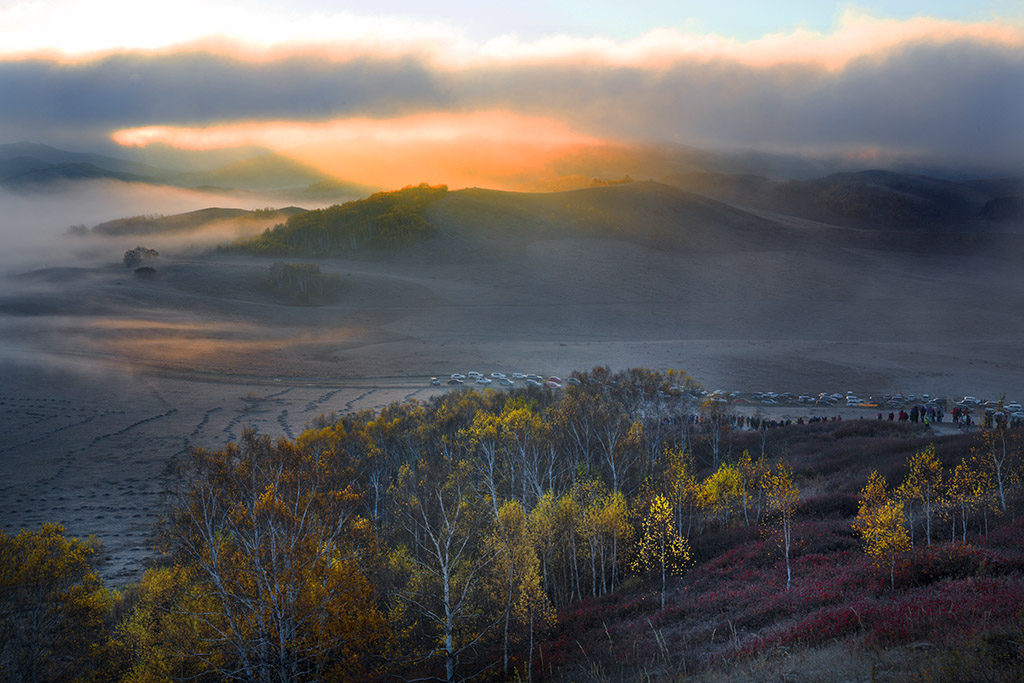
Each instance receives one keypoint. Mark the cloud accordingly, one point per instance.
(926, 88)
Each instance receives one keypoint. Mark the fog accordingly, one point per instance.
(34, 229)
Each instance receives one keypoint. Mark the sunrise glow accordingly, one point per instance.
(458, 149)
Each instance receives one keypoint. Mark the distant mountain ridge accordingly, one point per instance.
(31, 166)
(872, 198)
(265, 172)
(51, 156)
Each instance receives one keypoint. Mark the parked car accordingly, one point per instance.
(435, 381)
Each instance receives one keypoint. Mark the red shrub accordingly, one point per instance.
(925, 566)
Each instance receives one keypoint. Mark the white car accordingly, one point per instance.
(435, 381)
(498, 375)
(483, 380)
(505, 381)
(518, 375)
(473, 374)
(458, 375)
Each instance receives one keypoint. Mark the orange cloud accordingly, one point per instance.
(460, 149)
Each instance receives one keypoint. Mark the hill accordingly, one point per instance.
(382, 221)
(874, 199)
(44, 154)
(26, 165)
(264, 172)
(479, 223)
(192, 220)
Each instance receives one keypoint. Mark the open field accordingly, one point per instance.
(108, 376)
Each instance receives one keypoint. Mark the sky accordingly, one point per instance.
(466, 93)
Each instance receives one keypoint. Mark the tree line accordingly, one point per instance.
(438, 540)
(935, 500)
(382, 221)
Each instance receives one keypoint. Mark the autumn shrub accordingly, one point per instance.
(924, 566)
(714, 544)
(1009, 536)
(948, 612)
(820, 537)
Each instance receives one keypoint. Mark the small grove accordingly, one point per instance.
(383, 221)
(621, 529)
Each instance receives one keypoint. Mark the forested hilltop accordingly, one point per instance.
(383, 221)
(628, 527)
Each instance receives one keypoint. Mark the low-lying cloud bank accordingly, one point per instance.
(920, 88)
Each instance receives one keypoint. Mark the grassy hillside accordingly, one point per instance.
(879, 199)
(382, 221)
(192, 220)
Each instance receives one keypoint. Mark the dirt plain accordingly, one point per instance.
(108, 377)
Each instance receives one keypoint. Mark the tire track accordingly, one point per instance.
(409, 396)
(282, 419)
(71, 456)
(278, 393)
(47, 435)
(312, 405)
(360, 397)
(194, 434)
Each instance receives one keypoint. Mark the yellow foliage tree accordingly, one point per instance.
(660, 549)
(753, 479)
(52, 608)
(514, 583)
(999, 455)
(682, 488)
(160, 629)
(964, 493)
(720, 491)
(881, 524)
(783, 498)
(923, 486)
(269, 534)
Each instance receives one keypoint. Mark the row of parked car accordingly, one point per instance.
(534, 380)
